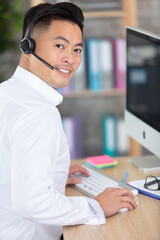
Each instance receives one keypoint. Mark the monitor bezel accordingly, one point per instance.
(136, 127)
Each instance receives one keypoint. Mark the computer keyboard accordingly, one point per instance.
(97, 182)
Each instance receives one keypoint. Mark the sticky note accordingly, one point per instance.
(99, 160)
(102, 165)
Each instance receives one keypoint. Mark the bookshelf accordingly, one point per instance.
(128, 15)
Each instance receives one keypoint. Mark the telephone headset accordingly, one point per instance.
(28, 45)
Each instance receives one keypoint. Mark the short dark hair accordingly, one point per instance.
(47, 12)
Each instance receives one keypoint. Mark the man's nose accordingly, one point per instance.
(68, 57)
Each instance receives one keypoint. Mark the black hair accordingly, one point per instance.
(47, 12)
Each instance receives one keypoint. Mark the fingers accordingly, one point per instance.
(127, 199)
(78, 168)
(125, 196)
(123, 192)
(74, 169)
(128, 202)
(72, 181)
(127, 192)
(83, 170)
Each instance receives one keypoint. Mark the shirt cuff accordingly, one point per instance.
(98, 212)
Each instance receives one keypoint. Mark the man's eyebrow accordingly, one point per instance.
(66, 40)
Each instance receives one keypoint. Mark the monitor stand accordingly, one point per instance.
(146, 163)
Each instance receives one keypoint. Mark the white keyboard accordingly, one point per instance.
(97, 182)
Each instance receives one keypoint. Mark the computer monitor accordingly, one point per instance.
(142, 111)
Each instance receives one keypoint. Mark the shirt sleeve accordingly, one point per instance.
(35, 140)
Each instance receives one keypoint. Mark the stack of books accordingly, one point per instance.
(103, 161)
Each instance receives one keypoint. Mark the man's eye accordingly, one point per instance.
(59, 46)
(78, 50)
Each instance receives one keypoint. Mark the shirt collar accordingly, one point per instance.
(39, 85)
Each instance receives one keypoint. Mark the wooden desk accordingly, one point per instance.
(142, 223)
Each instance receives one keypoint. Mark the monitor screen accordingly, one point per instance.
(143, 88)
(143, 77)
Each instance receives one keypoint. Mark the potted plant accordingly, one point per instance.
(10, 24)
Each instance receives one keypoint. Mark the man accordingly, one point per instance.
(34, 156)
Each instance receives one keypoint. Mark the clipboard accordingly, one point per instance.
(139, 185)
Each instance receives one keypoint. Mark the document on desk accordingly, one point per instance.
(139, 185)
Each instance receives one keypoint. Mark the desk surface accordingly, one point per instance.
(142, 223)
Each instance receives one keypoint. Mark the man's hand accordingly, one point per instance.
(113, 199)
(74, 169)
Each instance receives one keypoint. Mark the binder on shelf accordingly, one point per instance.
(122, 138)
(79, 79)
(119, 46)
(69, 131)
(106, 53)
(78, 136)
(109, 135)
(73, 130)
(68, 89)
(93, 64)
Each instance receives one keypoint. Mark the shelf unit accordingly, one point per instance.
(128, 14)
(103, 93)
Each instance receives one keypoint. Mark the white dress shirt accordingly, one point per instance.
(34, 164)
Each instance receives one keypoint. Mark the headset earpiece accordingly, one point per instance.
(27, 45)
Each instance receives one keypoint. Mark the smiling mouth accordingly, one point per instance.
(65, 71)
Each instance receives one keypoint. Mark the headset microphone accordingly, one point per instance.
(28, 45)
(43, 61)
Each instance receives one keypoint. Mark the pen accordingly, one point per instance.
(124, 177)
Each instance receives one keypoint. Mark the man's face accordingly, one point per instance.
(60, 45)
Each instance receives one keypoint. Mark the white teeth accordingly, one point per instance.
(63, 70)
